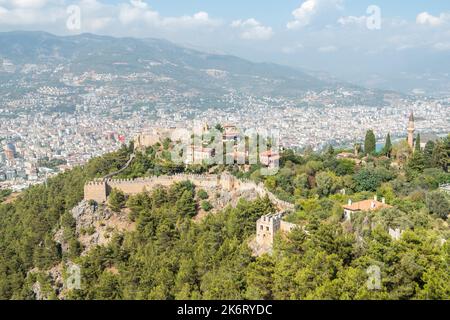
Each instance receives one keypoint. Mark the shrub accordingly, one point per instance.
(202, 194)
(206, 205)
(116, 200)
(438, 204)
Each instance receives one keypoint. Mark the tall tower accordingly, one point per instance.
(266, 228)
(411, 130)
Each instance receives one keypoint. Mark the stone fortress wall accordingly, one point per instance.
(266, 227)
(98, 190)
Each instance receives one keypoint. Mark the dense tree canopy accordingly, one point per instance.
(170, 255)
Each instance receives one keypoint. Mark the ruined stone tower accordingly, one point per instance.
(266, 228)
(96, 190)
(227, 181)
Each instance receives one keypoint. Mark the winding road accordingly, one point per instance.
(108, 176)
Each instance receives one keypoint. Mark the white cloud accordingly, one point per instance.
(442, 46)
(200, 19)
(98, 23)
(139, 12)
(352, 20)
(28, 3)
(139, 4)
(292, 49)
(29, 13)
(308, 10)
(126, 17)
(327, 49)
(252, 29)
(303, 14)
(425, 18)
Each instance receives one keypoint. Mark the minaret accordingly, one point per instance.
(411, 130)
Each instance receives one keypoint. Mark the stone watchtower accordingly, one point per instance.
(227, 181)
(411, 130)
(96, 190)
(266, 228)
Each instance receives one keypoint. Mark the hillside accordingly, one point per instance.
(151, 246)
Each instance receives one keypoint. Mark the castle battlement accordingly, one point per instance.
(94, 183)
(98, 188)
(266, 227)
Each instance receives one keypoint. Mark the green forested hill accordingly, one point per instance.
(169, 256)
(27, 226)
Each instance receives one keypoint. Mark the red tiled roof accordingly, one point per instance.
(366, 205)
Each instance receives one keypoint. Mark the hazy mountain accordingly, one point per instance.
(186, 69)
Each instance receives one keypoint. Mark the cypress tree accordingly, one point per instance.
(370, 143)
(418, 143)
(387, 150)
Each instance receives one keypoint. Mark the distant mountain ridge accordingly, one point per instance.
(104, 54)
(159, 66)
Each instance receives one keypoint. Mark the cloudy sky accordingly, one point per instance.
(348, 38)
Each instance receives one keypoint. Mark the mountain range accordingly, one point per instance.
(187, 68)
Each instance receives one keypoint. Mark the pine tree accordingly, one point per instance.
(330, 151)
(416, 162)
(428, 153)
(440, 156)
(370, 143)
(446, 144)
(387, 150)
(185, 205)
(116, 200)
(417, 147)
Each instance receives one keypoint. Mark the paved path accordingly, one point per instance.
(132, 156)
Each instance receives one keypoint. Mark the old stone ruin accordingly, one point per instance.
(232, 188)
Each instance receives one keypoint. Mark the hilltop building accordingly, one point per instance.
(199, 154)
(269, 158)
(149, 138)
(353, 208)
(426, 137)
(350, 156)
(230, 133)
(238, 155)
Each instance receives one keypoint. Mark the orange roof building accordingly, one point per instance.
(365, 205)
(269, 158)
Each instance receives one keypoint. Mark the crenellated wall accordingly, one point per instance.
(266, 227)
(99, 190)
(96, 190)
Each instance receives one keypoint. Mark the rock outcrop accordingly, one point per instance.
(95, 225)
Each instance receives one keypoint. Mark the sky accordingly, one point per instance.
(347, 38)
